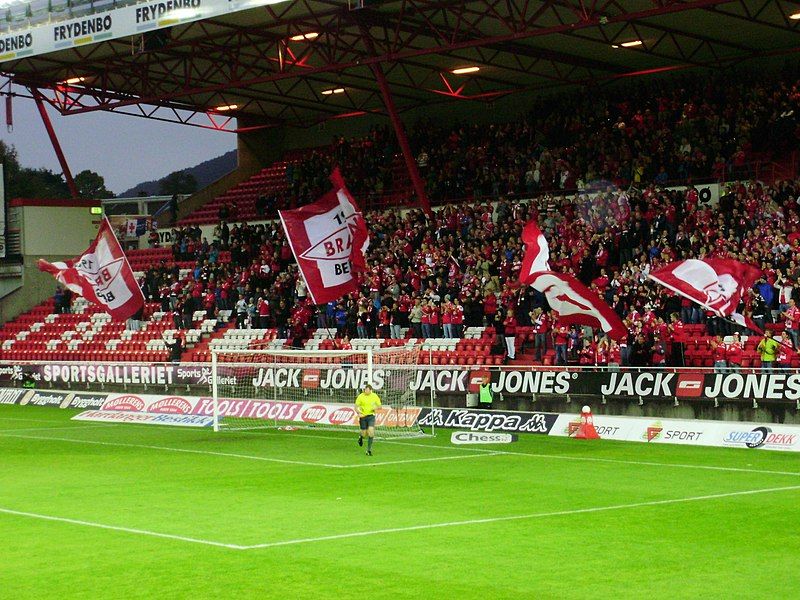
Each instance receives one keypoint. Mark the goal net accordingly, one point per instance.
(255, 389)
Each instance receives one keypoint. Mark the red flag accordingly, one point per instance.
(537, 254)
(328, 239)
(102, 275)
(578, 305)
(746, 322)
(714, 283)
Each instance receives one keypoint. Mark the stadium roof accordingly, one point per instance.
(300, 62)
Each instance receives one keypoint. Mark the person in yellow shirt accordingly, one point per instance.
(367, 403)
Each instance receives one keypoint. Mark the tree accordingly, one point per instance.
(91, 185)
(22, 182)
(177, 182)
(38, 183)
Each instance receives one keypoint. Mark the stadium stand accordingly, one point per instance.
(465, 258)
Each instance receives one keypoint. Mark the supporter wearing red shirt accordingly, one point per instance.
(383, 322)
(425, 320)
(734, 352)
(490, 307)
(719, 352)
(561, 338)
(614, 355)
(435, 319)
(792, 323)
(404, 307)
(541, 325)
(457, 318)
(510, 328)
(659, 357)
(586, 355)
(447, 319)
(263, 313)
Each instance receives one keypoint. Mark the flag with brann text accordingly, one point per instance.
(328, 239)
(102, 275)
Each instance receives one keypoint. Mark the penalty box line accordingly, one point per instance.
(531, 516)
(374, 532)
(569, 457)
(6, 433)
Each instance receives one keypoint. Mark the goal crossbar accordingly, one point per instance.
(256, 389)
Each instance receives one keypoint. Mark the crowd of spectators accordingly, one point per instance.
(667, 131)
(458, 268)
(437, 274)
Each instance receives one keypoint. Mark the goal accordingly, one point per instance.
(256, 389)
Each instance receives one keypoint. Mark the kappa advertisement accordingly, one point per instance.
(487, 420)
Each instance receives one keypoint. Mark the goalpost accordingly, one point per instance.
(257, 389)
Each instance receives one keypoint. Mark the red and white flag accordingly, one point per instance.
(746, 322)
(102, 275)
(328, 239)
(576, 304)
(537, 253)
(716, 284)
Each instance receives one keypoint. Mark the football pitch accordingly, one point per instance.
(138, 511)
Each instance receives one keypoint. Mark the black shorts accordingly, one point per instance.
(366, 422)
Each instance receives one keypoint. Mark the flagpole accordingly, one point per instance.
(124, 256)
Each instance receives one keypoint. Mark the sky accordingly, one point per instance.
(125, 150)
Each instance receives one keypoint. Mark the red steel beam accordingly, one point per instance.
(406, 54)
(399, 129)
(73, 189)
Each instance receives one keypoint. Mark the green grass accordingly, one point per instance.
(131, 477)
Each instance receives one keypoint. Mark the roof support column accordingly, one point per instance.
(399, 129)
(73, 189)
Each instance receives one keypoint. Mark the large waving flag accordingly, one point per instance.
(716, 284)
(102, 275)
(576, 304)
(537, 253)
(328, 239)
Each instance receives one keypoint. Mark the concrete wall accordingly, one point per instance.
(54, 233)
(57, 230)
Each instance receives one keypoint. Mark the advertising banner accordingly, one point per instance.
(257, 381)
(42, 398)
(121, 22)
(139, 418)
(309, 413)
(487, 420)
(730, 434)
(10, 396)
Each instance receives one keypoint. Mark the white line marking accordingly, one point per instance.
(357, 534)
(419, 460)
(171, 449)
(32, 420)
(558, 513)
(22, 429)
(611, 460)
(169, 536)
(535, 455)
(431, 446)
